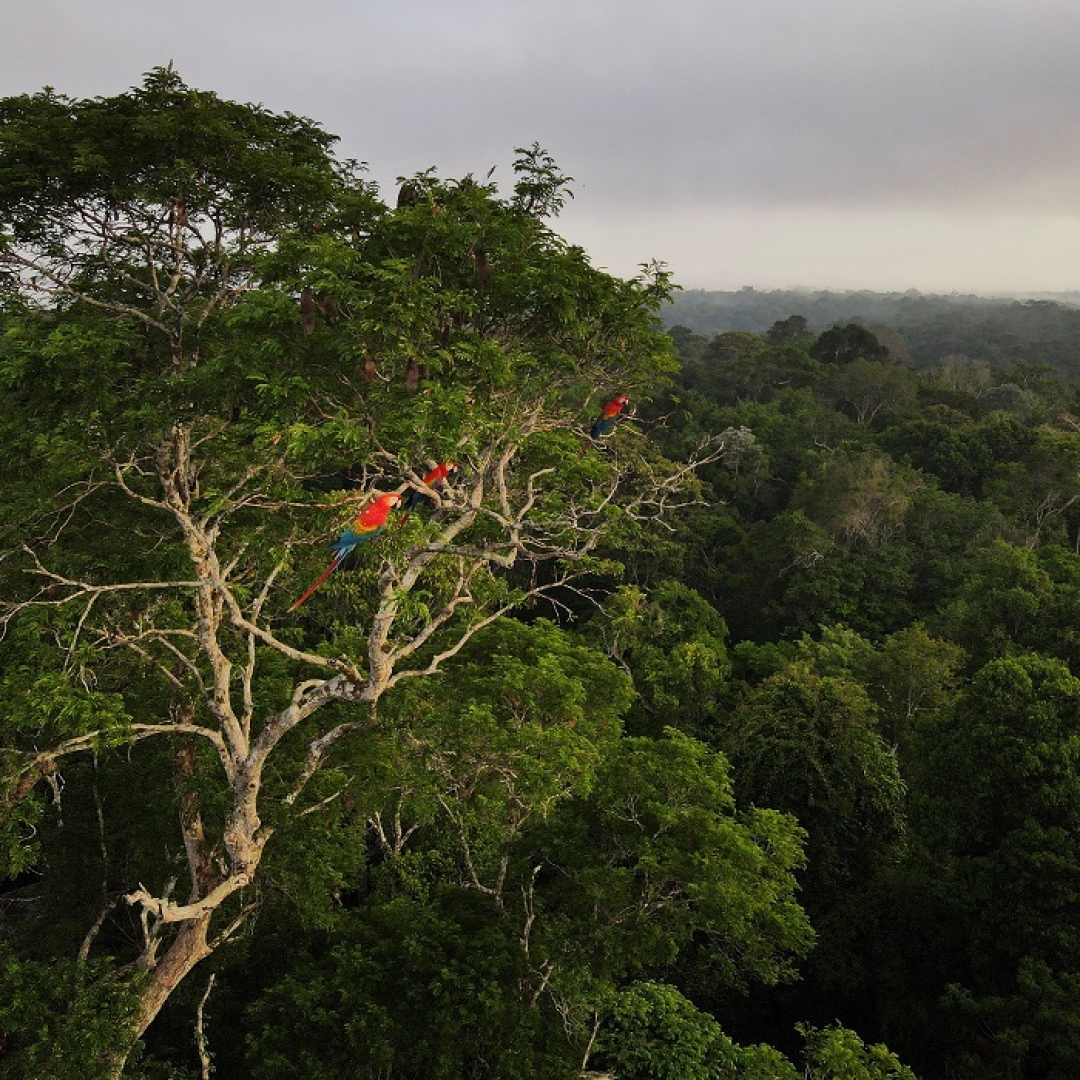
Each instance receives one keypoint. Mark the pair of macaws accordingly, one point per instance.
(372, 520)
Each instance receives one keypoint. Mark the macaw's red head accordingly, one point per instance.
(376, 513)
(616, 405)
(440, 473)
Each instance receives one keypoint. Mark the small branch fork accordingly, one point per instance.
(182, 262)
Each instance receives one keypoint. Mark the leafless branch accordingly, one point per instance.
(95, 929)
(314, 808)
(394, 844)
(37, 765)
(234, 925)
(165, 911)
(200, 1034)
(317, 750)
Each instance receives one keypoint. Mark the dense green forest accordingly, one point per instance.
(735, 735)
(920, 329)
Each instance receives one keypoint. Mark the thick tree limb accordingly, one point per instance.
(165, 911)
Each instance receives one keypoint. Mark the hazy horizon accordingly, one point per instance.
(894, 145)
(1071, 296)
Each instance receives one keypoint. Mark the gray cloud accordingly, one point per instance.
(864, 114)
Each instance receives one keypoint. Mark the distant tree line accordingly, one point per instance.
(1002, 331)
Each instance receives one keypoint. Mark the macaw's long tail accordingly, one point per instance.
(403, 517)
(335, 562)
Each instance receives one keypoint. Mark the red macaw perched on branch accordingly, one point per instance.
(605, 423)
(436, 478)
(368, 524)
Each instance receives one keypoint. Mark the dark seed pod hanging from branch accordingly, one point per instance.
(480, 260)
(412, 376)
(370, 370)
(307, 309)
(408, 194)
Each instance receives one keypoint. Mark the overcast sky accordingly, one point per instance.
(879, 144)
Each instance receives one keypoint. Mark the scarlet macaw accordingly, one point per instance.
(368, 524)
(436, 478)
(605, 423)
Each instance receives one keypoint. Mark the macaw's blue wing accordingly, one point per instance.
(351, 537)
(416, 498)
(603, 427)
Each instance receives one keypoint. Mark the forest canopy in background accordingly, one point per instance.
(923, 327)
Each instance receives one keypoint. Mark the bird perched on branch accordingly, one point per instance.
(436, 479)
(609, 416)
(368, 524)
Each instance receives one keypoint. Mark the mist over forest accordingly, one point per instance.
(921, 328)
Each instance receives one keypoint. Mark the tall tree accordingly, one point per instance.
(869, 386)
(844, 344)
(153, 206)
(178, 502)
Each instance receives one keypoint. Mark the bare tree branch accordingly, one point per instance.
(200, 1033)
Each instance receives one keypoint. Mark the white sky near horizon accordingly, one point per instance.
(849, 144)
